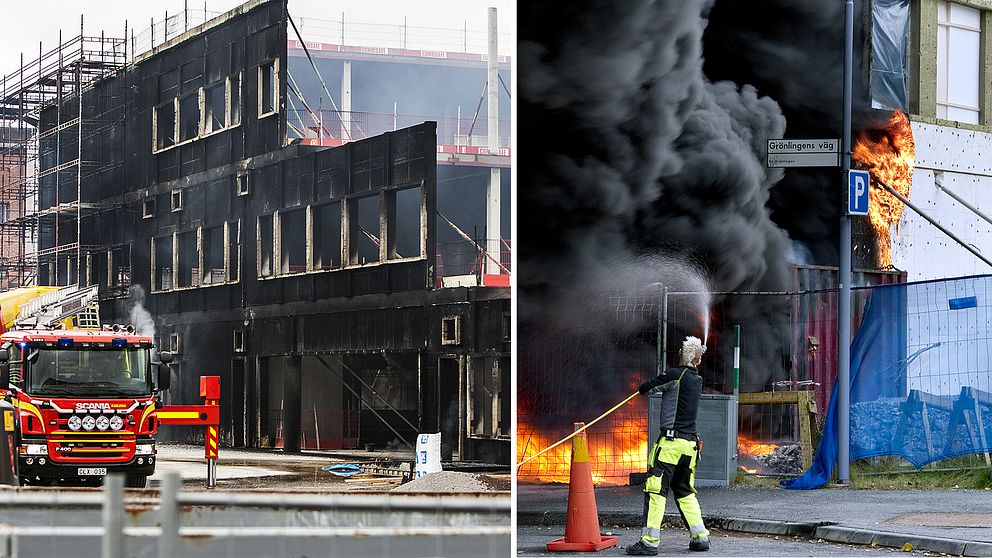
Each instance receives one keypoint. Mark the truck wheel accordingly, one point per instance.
(136, 482)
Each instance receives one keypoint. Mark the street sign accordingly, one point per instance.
(803, 146)
(803, 153)
(858, 182)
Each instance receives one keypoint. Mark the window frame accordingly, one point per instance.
(273, 256)
(923, 65)
(155, 282)
(233, 106)
(314, 214)
(148, 208)
(274, 63)
(491, 396)
(198, 97)
(174, 195)
(947, 25)
(277, 238)
(156, 148)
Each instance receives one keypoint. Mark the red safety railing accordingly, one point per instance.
(489, 261)
(324, 124)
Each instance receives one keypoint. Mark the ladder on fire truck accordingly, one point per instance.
(51, 310)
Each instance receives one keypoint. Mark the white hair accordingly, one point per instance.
(692, 350)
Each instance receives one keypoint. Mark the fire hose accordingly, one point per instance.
(580, 430)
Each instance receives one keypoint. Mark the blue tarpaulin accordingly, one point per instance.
(920, 377)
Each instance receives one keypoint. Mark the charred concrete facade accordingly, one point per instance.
(304, 276)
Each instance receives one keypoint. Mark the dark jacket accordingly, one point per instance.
(680, 388)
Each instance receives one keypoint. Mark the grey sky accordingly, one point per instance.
(30, 22)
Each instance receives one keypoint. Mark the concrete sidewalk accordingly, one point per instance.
(956, 522)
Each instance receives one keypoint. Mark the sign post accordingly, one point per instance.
(844, 272)
(206, 415)
(210, 392)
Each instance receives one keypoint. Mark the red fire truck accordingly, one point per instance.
(85, 394)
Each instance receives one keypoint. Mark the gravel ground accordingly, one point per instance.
(450, 481)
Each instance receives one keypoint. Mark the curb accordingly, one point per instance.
(851, 535)
(826, 531)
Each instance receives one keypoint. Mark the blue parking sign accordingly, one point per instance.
(858, 182)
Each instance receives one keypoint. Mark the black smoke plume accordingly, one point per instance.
(642, 129)
(633, 157)
(792, 51)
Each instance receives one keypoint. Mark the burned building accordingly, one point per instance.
(198, 184)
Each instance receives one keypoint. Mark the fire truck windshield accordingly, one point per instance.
(87, 372)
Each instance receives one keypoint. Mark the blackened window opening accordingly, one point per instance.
(267, 88)
(406, 232)
(215, 107)
(189, 117)
(293, 241)
(265, 245)
(234, 249)
(327, 236)
(165, 125)
(189, 260)
(365, 231)
(163, 263)
(213, 255)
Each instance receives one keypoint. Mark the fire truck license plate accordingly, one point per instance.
(91, 471)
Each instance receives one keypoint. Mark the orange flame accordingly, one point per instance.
(752, 448)
(618, 446)
(616, 449)
(890, 155)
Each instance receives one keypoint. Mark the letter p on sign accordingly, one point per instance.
(857, 192)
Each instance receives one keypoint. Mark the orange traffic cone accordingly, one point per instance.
(582, 524)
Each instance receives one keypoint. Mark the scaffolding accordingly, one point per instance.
(46, 160)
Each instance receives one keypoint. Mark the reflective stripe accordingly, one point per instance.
(649, 532)
(698, 530)
(178, 415)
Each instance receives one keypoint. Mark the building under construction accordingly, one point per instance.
(260, 201)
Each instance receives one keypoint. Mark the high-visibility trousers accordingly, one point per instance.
(671, 464)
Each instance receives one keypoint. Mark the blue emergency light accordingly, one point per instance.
(119, 343)
(65, 342)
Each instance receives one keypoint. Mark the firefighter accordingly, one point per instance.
(672, 462)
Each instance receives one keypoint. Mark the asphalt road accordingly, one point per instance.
(531, 541)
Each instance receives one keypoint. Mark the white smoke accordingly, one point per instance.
(138, 315)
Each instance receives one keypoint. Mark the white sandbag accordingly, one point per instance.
(428, 454)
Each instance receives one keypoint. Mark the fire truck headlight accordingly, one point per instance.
(89, 423)
(144, 449)
(36, 449)
(74, 422)
(102, 422)
(116, 422)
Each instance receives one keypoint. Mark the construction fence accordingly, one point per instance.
(920, 377)
(920, 374)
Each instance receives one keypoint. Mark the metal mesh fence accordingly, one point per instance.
(920, 376)
(921, 372)
(574, 371)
